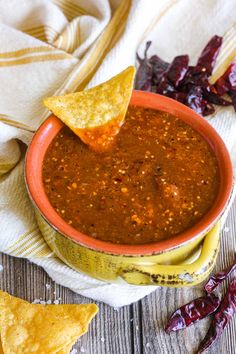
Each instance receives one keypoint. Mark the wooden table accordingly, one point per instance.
(133, 329)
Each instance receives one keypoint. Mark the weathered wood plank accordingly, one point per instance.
(137, 329)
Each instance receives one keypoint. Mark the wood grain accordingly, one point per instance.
(134, 329)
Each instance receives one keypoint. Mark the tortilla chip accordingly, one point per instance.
(97, 114)
(48, 329)
(66, 350)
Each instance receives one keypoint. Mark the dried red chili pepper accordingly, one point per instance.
(179, 96)
(165, 87)
(196, 101)
(227, 81)
(195, 77)
(214, 98)
(221, 318)
(177, 69)
(143, 80)
(209, 109)
(188, 84)
(222, 85)
(232, 94)
(173, 76)
(209, 54)
(216, 279)
(232, 75)
(192, 312)
(159, 66)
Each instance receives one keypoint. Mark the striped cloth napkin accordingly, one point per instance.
(58, 46)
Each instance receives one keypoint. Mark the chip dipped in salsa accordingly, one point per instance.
(157, 179)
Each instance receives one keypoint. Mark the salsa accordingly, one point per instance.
(158, 179)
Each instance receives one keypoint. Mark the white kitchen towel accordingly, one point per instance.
(58, 46)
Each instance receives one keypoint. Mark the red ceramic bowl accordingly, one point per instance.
(49, 129)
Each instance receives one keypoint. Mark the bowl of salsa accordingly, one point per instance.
(149, 201)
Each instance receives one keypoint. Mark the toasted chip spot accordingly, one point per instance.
(98, 113)
(17, 335)
(34, 347)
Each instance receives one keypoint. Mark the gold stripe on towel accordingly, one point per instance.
(36, 242)
(8, 120)
(35, 58)
(24, 51)
(42, 32)
(30, 244)
(38, 250)
(69, 39)
(63, 41)
(70, 9)
(26, 235)
(226, 55)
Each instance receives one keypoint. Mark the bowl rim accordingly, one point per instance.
(48, 130)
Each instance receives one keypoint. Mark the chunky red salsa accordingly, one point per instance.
(158, 179)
